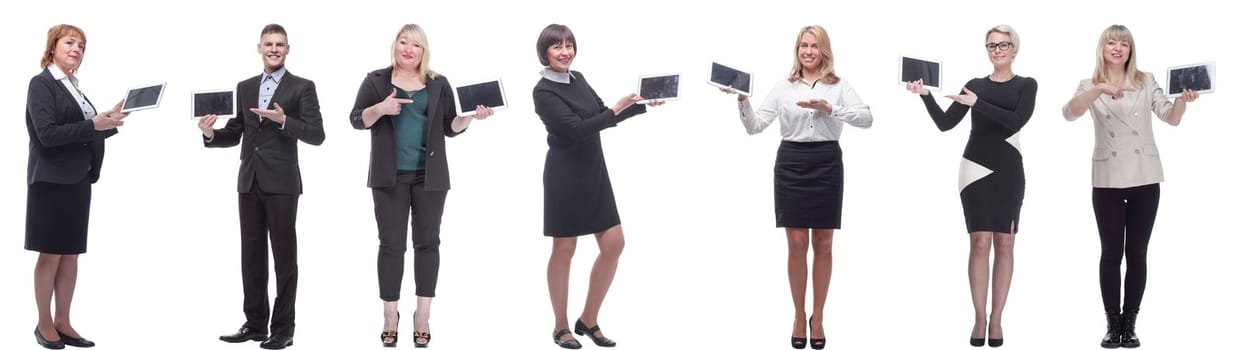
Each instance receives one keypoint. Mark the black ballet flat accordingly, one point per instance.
(75, 342)
(977, 342)
(49, 344)
(566, 344)
(392, 334)
(995, 342)
(589, 332)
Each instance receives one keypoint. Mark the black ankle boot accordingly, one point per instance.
(1114, 330)
(1129, 339)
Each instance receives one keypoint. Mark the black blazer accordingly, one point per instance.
(268, 153)
(65, 148)
(442, 110)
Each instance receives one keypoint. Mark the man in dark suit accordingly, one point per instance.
(274, 111)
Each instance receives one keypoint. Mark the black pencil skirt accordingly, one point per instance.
(57, 216)
(808, 185)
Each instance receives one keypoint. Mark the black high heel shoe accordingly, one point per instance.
(589, 332)
(571, 343)
(58, 344)
(420, 339)
(816, 343)
(977, 342)
(799, 342)
(392, 334)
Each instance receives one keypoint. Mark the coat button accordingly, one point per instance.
(1137, 151)
(1107, 116)
(1114, 154)
(1111, 134)
(255, 148)
(1133, 132)
(1135, 114)
(432, 153)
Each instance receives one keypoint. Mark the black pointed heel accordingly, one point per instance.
(603, 341)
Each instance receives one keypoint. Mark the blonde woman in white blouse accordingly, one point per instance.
(811, 105)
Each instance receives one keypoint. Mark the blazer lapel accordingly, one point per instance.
(279, 90)
(1121, 107)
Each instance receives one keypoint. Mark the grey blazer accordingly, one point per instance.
(1124, 153)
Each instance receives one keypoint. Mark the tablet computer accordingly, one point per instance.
(727, 77)
(142, 97)
(1199, 77)
(915, 68)
(487, 93)
(659, 87)
(217, 102)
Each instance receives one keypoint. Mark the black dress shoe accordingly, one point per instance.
(816, 343)
(57, 344)
(995, 342)
(977, 342)
(589, 332)
(75, 342)
(243, 335)
(277, 342)
(571, 343)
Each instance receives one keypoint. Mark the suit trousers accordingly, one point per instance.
(270, 215)
(392, 206)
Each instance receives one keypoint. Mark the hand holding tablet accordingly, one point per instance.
(1198, 78)
(925, 73)
(480, 99)
(219, 103)
(736, 80)
(660, 87)
(142, 97)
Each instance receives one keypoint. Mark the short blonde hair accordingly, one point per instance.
(415, 33)
(1117, 32)
(827, 68)
(1005, 29)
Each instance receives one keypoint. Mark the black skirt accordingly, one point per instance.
(57, 216)
(808, 185)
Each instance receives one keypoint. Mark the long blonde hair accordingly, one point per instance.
(827, 69)
(415, 33)
(1117, 32)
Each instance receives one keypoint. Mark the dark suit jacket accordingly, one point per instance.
(65, 148)
(268, 153)
(442, 110)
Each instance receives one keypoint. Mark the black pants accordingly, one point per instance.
(1125, 221)
(276, 214)
(391, 210)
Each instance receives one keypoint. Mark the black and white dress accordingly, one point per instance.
(991, 175)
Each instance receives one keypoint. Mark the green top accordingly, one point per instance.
(411, 130)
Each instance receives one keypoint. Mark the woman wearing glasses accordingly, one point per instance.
(1126, 171)
(991, 175)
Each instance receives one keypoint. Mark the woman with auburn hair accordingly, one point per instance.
(1127, 170)
(409, 109)
(66, 156)
(991, 175)
(812, 105)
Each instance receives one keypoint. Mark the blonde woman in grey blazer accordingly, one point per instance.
(1126, 170)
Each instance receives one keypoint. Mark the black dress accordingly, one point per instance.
(991, 175)
(577, 196)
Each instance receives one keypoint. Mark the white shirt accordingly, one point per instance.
(70, 82)
(800, 124)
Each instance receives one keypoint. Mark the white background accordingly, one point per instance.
(704, 265)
